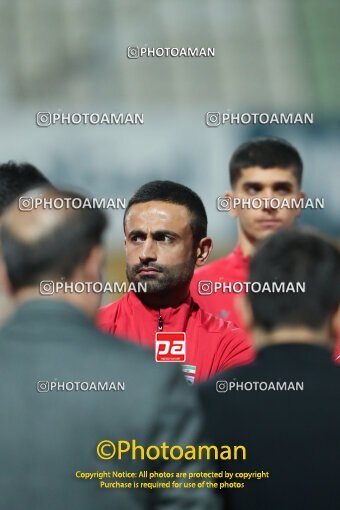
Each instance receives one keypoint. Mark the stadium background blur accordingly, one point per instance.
(71, 56)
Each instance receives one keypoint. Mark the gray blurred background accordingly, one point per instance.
(71, 56)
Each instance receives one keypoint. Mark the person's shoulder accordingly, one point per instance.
(212, 324)
(107, 314)
(211, 269)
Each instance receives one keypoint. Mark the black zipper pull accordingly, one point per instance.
(160, 323)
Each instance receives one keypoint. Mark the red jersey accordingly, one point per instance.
(232, 268)
(212, 345)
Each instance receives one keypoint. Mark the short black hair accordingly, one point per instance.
(296, 255)
(56, 253)
(174, 193)
(266, 153)
(18, 178)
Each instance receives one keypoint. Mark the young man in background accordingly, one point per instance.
(263, 168)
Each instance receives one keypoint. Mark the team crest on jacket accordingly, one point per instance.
(189, 373)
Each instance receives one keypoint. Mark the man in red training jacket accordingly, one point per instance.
(165, 227)
(263, 168)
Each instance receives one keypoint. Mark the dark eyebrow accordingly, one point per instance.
(283, 183)
(155, 234)
(161, 233)
(136, 233)
(252, 183)
(276, 183)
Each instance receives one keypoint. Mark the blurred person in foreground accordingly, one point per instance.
(284, 407)
(46, 437)
(16, 179)
(165, 227)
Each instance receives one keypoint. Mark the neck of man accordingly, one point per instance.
(166, 298)
(247, 244)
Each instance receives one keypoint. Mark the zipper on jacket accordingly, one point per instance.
(160, 323)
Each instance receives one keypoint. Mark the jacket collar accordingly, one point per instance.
(177, 317)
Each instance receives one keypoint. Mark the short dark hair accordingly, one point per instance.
(174, 193)
(17, 178)
(296, 255)
(266, 153)
(56, 253)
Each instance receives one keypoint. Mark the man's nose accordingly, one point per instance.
(267, 197)
(268, 193)
(148, 251)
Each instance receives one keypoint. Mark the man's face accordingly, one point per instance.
(256, 182)
(159, 245)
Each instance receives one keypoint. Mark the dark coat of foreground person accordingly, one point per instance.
(46, 437)
(285, 407)
(293, 435)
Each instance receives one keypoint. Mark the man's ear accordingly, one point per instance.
(246, 313)
(4, 279)
(301, 195)
(94, 263)
(203, 251)
(229, 197)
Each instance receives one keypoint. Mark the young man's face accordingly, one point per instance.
(257, 182)
(159, 245)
